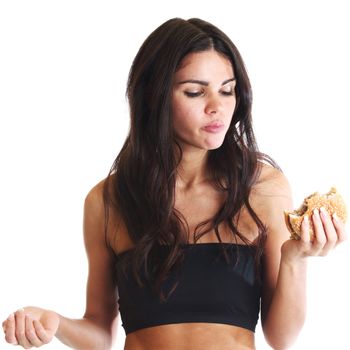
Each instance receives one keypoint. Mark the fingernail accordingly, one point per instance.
(335, 217)
(323, 211)
(306, 220)
(11, 317)
(29, 317)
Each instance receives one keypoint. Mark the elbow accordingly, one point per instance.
(279, 344)
(282, 336)
(108, 345)
(108, 342)
(278, 339)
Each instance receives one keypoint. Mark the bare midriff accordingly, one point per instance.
(191, 336)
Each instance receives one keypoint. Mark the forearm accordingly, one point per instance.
(287, 311)
(83, 334)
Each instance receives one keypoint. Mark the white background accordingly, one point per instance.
(63, 70)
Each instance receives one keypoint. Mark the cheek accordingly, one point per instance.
(181, 122)
(230, 106)
(229, 109)
(185, 116)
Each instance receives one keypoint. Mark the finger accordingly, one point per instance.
(44, 336)
(31, 333)
(9, 329)
(20, 330)
(339, 227)
(329, 230)
(305, 230)
(320, 236)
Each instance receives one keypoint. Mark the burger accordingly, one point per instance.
(331, 201)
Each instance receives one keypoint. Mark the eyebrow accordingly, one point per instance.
(205, 83)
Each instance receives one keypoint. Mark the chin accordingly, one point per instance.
(214, 146)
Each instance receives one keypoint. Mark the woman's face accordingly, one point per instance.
(203, 100)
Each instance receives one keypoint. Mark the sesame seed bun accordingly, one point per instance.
(331, 201)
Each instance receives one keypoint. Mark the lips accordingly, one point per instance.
(214, 127)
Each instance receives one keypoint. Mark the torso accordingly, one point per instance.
(205, 202)
(191, 336)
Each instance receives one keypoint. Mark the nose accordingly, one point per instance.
(213, 105)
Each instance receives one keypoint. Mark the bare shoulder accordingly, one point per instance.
(95, 204)
(272, 181)
(94, 198)
(271, 195)
(105, 218)
(94, 217)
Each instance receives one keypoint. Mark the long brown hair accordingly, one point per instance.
(141, 183)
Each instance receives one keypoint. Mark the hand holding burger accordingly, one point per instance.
(331, 201)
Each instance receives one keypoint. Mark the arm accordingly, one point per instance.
(33, 326)
(283, 304)
(97, 328)
(285, 265)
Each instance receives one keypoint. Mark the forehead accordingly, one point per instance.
(206, 65)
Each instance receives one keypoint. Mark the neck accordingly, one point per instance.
(192, 169)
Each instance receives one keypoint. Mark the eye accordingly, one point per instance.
(193, 94)
(228, 91)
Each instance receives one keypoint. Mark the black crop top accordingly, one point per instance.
(209, 290)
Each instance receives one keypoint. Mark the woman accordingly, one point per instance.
(188, 227)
